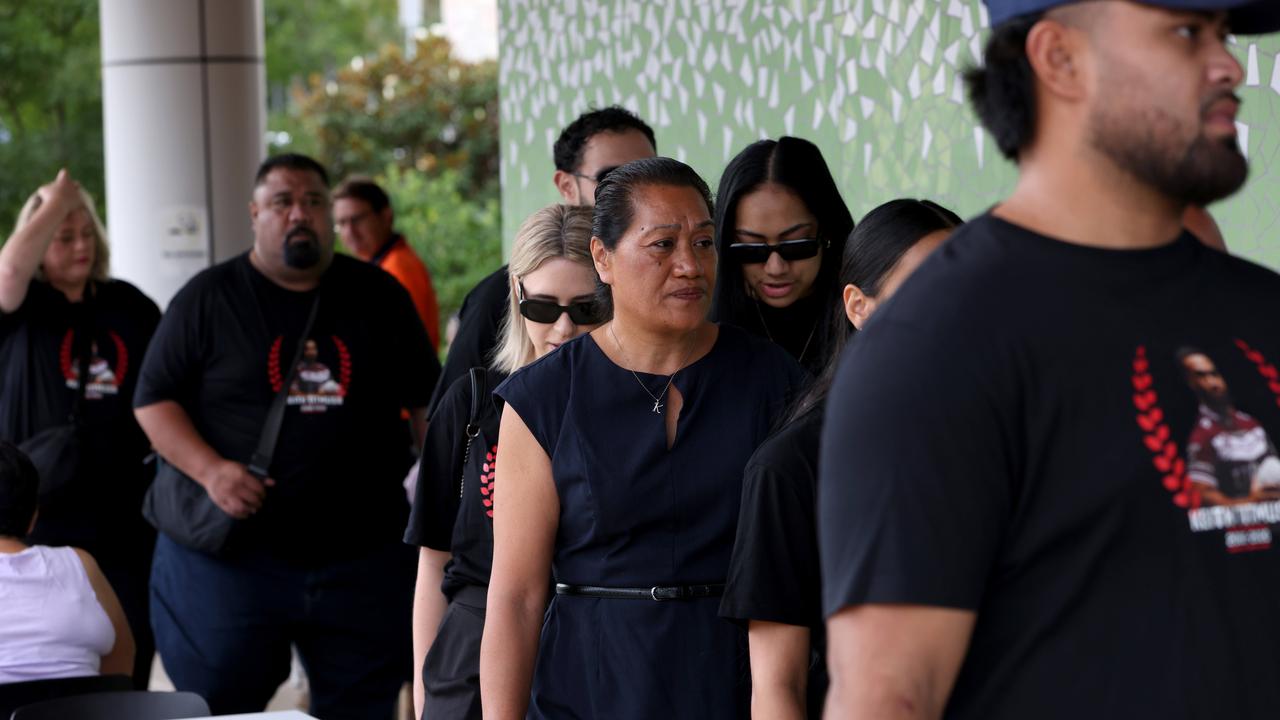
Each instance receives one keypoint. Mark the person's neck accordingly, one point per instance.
(73, 291)
(1085, 199)
(381, 247)
(289, 278)
(10, 545)
(658, 351)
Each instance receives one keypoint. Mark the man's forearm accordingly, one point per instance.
(175, 437)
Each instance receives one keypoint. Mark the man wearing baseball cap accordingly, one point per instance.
(1007, 524)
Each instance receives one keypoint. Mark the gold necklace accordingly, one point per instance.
(657, 399)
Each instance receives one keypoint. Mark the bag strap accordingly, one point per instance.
(260, 464)
(472, 430)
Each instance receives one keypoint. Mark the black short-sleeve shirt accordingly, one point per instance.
(453, 504)
(773, 574)
(39, 372)
(1011, 435)
(221, 352)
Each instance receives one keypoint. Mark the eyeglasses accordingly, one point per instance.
(598, 177)
(587, 312)
(789, 250)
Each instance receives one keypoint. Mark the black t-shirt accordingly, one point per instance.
(221, 352)
(479, 320)
(39, 369)
(774, 574)
(1010, 436)
(453, 506)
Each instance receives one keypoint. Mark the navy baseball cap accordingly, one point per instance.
(1248, 17)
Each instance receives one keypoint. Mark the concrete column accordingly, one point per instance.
(184, 115)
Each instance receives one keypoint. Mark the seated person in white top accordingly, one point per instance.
(59, 617)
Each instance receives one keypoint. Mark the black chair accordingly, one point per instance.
(15, 695)
(132, 704)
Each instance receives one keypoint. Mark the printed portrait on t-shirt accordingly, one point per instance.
(1220, 463)
(104, 376)
(1230, 459)
(323, 374)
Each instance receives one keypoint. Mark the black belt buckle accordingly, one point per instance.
(660, 594)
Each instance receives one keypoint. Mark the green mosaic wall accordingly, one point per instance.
(875, 83)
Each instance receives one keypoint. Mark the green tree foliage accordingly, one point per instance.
(457, 236)
(310, 37)
(50, 99)
(429, 112)
(427, 127)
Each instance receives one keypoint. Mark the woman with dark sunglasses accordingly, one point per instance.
(621, 475)
(773, 579)
(780, 216)
(553, 300)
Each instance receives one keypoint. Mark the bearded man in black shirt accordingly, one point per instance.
(313, 558)
(1015, 532)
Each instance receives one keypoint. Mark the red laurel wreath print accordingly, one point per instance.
(122, 355)
(488, 470)
(1265, 369)
(344, 364)
(1156, 435)
(273, 365)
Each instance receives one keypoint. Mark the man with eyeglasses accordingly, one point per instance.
(365, 221)
(589, 147)
(313, 558)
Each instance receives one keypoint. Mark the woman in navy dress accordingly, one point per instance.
(621, 477)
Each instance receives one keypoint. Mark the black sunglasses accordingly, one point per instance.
(789, 250)
(587, 312)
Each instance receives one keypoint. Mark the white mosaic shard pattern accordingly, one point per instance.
(875, 83)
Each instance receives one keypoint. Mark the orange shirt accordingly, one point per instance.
(404, 264)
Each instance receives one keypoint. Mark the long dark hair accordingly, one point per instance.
(797, 165)
(874, 248)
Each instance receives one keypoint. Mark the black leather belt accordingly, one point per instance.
(656, 593)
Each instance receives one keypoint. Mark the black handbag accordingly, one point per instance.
(55, 451)
(181, 508)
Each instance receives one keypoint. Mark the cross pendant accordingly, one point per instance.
(657, 407)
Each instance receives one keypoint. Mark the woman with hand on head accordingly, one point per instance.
(71, 342)
(773, 584)
(553, 285)
(621, 473)
(780, 230)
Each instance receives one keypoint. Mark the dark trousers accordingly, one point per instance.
(129, 574)
(224, 628)
(451, 670)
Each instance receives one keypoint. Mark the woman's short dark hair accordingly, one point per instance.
(615, 199)
(19, 489)
(615, 195)
(797, 165)
(1003, 90)
(874, 248)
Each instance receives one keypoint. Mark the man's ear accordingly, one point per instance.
(603, 260)
(567, 186)
(858, 305)
(1058, 55)
(388, 216)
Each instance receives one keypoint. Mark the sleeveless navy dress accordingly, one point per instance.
(634, 513)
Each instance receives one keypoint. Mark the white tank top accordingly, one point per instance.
(51, 623)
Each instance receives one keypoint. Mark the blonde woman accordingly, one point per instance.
(552, 301)
(64, 323)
